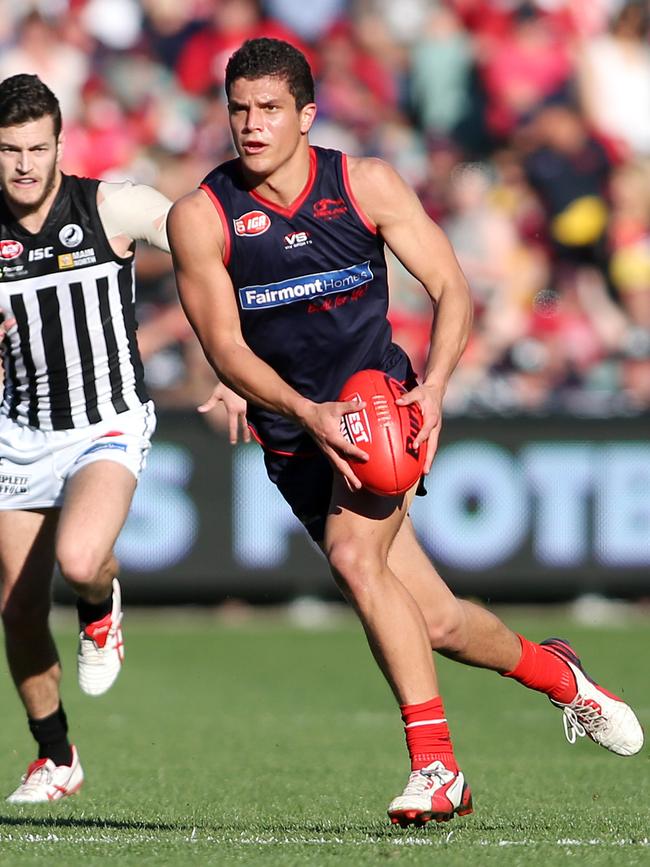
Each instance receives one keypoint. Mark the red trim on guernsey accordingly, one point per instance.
(224, 221)
(365, 219)
(113, 433)
(283, 454)
(300, 201)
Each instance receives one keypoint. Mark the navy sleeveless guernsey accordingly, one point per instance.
(311, 287)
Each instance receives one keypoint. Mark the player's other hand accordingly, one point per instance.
(430, 399)
(235, 407)
(6, 323)
(323, 421)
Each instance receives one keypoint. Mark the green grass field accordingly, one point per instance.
(262, 743)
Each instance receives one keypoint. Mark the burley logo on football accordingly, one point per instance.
(252, 223)
(355, 426)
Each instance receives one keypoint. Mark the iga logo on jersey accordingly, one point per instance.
(71, 235)
(296, 239)
(10, 249)
(252, 223)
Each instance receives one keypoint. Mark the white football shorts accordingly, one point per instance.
(36, 464)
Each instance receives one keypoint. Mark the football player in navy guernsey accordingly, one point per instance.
(75, 418)
(280, 268)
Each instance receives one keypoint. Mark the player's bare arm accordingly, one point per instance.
(204, 286)
(424, 250)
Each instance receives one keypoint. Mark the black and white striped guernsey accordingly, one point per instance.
(71, 359)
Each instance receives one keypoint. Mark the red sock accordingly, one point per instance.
(542, 670)
(427, 734)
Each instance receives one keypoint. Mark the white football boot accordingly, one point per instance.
(44, 781)
(101, 649)
(434, 793)
(595, 712)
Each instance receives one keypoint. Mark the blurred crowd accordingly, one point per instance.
(524, 127)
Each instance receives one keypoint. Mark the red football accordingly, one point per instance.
(385, 431)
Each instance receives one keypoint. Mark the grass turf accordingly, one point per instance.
(263, 743)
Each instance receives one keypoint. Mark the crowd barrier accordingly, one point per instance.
(518, 509)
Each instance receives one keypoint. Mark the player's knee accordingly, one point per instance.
(445, 629)
(354, 566)
(79, 566)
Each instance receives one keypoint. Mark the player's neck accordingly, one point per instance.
(287, 182)
(32, 218)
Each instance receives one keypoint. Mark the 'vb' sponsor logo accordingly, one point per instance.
(305, 288)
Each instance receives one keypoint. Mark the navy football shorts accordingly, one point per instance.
(305, 482)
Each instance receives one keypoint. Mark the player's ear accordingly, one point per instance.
(60, 143)
(307, 115)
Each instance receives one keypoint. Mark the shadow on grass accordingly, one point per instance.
(65, 822)
(373, 830)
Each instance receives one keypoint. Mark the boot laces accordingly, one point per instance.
(581, 718)
(425, 779)
(37, 776)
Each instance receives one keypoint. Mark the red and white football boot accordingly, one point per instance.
(595, 712)
(44, 781)
(101, 649)
(434, 793)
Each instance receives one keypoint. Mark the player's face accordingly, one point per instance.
(266, 126)
(29, 160)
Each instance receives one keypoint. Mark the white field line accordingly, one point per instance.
(300, 840)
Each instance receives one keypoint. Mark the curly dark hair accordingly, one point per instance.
(24, 98)
(258, 58)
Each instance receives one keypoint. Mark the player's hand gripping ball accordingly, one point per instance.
(386, 431)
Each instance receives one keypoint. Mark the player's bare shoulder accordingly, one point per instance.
(379, 189)
(192, 207)
(193, 224)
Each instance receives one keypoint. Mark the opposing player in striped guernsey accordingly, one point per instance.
(286, 324)
(75, 419)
